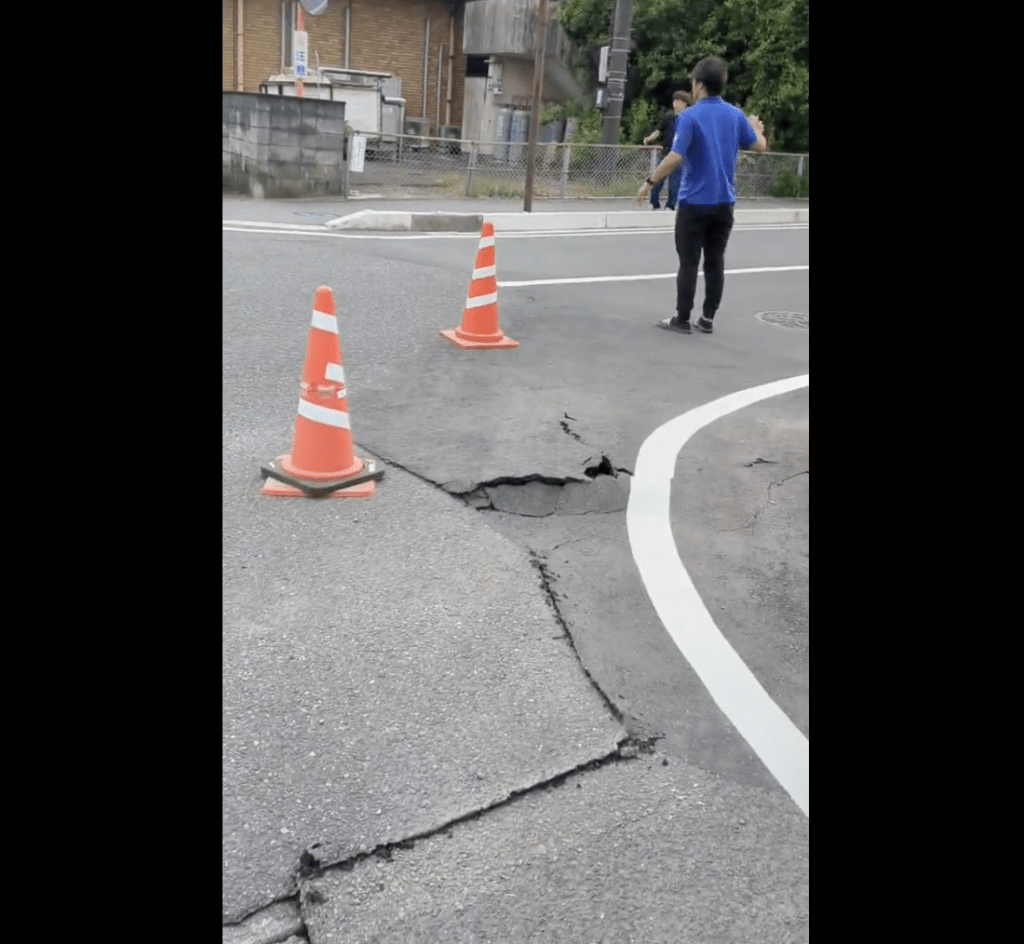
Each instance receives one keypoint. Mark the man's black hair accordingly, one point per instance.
(711, 73)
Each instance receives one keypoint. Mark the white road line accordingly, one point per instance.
(304, 227)
(781, 746)
(642, 278)
(275, 229)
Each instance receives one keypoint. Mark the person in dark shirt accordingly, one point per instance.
(666, 131)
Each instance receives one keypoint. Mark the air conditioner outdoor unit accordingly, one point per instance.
(452, 134)
(345, 78)
(420, 129)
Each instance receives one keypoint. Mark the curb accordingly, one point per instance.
(391, 221)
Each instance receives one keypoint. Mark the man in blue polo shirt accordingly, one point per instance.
(708, 137)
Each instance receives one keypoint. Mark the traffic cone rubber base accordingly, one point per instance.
(466, 344)
(279, 484)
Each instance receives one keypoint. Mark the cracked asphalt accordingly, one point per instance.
(450, 711)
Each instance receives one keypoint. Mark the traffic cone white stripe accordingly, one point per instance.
(484, 272)
(325, 322)
(482, 300)
(335, 372)
(486, 241)
(324, 415)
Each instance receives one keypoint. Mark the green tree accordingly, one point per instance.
(777, 60)
(588, 128)
(764, 43)
(641, 119)
(669, 40)
(666, 42)
(586, 22)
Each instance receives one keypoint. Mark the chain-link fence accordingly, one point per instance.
(408, 166)
(772, 175)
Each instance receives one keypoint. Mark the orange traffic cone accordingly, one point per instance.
(321, 462)
(480, 316)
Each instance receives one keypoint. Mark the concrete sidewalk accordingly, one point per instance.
(467, 215)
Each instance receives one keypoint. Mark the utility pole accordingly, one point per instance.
(618, 58)
(540, 42)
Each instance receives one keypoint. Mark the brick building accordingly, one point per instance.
(396, 36)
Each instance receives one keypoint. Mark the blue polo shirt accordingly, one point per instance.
(708, 136)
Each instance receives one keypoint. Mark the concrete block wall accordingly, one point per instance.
(277, 147)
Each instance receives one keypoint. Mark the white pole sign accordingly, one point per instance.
(358, 153)
(301, 49)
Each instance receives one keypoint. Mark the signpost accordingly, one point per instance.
(358, 154)
(300, 50)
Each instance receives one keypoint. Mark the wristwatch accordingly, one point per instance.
(651, 182)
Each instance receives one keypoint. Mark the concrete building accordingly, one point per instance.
(464, 68)
(499, 45)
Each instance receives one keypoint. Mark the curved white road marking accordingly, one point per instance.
(781, 746)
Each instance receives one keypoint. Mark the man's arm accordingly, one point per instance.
(653, 136)
(669, 163)
(759, 144)
(680, 142)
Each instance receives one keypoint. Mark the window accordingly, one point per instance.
(476, 67)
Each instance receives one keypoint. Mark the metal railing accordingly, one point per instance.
(411, 166)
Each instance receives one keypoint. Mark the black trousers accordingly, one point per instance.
(701, 229)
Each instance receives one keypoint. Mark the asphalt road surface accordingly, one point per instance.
(451, 711)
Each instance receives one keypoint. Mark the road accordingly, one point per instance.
(457, 696)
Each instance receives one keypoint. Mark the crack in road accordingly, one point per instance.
(628, 748)
(772, 485)
(568, 431)
(547, 577)
(535, 502)
(549, 514)
(551, 550)
(603, 467)
(310, 867)
(625, 749)
(468, 495)
(768, 501)
(788, 477)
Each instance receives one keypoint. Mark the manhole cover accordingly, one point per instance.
(318, 215)
(785, 319)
